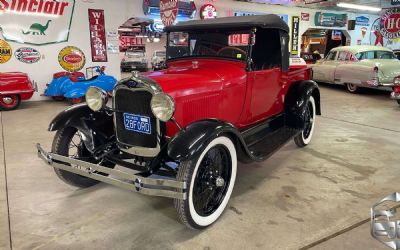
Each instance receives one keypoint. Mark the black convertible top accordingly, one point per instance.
(237, 22)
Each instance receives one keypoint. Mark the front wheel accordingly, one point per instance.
(9, 102)
(304, 138)
(68, 142)
(210, 179)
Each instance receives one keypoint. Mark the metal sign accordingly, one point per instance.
(330, 19)
(27, 55)
(37, 22)
(208, 11)
(362, 21)
(336, 35)
(294, 47)
(285, 18)
(305, 16)
(5, 51)
(395, 2)
(71, 59)
(390, 24)
(97, 35)
(168, 11)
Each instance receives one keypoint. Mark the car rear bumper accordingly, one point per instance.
(145, 185)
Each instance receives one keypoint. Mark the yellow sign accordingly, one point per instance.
(5, 51)
(71, 59)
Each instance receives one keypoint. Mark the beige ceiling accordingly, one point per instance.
(331, 5)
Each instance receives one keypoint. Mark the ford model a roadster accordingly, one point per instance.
(227, 94)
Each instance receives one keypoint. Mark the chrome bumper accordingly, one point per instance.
(145, 185)
(395, 96)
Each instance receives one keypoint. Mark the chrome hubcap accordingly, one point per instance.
(219, 182)
(7, 100)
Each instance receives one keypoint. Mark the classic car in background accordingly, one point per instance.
(73, 86)
(358, 66)
(158, 59)
(14, 87)
(396, 92)
(134, 60)
(193, 121)
(397, 53)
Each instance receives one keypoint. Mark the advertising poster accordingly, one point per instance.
(97, 35)
(71, 59)
(294, 46)
(27, 55)
(168, 11)
(5, 51)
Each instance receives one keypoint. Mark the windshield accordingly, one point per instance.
(210, 44)
(375, 54)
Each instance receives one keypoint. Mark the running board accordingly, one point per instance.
(145, 185)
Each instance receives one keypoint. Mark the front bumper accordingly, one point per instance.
(145, 185)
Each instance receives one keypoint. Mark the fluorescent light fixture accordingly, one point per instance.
(358, 7)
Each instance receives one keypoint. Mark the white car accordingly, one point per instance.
(358, 66)
(158, 59)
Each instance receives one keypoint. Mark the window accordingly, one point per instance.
(267, 53)
(375, 54)
(331, 56)
(342, 56)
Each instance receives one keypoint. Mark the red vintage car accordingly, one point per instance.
(228, 94)
(14, 87)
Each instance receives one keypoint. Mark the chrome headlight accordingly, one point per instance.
(396, 80)
(162, 106)
(96, 98)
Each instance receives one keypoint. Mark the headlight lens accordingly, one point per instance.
(96, 98)
(163, 107)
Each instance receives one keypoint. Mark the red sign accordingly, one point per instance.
(238, 40)
(72, 58)
(305, 16)
(97, 35)
(129, 41)
(208, 11)
(390, 24)
(168, 11)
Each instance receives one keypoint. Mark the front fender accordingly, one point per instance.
(88, 122)
(75, 93)
(296, 102)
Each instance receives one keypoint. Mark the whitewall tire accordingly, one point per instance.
(304, 138)
(210, 179)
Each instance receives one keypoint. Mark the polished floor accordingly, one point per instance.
(318, 197)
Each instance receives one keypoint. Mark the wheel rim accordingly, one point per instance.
(8, 101)
(351, 87)
(212, 180)
(78, 150)
(309, 118)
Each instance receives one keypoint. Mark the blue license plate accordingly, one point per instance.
(137, 123)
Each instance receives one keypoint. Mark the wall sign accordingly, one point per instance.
(37, 22)
(186, 8)
(238, 39)
(336, 35)
(27, 55)
(294, 47)
(305, 16)
(71, 59)
(97, 35)
(395, 2)
(390, 24)
(168, 11)
(130, 41)
(5, 51)
(208, 11)
(285, 18)
(330, 19)
(362, 21)
(364, 31)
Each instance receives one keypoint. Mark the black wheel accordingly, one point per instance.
(9, 102)
(68, 142)
(352, 88)
(304, 138)
(210, 179)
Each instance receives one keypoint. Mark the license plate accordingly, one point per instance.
(137, 123)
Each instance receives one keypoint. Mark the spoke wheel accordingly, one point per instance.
(9, 102)
(304, 138)
(210, 179)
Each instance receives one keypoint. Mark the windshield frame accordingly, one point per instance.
(245, 60)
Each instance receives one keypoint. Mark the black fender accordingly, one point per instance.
(191, 141)
(296, 102)
(95, 127)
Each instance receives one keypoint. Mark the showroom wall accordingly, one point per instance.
(118, 11)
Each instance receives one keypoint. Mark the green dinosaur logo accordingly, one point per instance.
(37, 29)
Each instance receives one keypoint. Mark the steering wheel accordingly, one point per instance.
(231, 48)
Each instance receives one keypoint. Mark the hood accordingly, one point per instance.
(10, 77)
(388, 68)
(189, 77)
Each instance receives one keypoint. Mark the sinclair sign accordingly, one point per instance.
(36, 22)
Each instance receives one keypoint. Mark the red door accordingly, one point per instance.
(264, 99)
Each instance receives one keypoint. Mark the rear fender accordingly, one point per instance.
(95, 127)
(296, 102)
(190, 142)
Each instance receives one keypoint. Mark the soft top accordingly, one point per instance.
(259, 21)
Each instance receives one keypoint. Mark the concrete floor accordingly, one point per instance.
(291, 201)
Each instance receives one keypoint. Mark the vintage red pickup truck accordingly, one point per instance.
(14, 87)
(228, 94)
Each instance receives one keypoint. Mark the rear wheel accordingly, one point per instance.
(304, 138)
(210, 179)
(9, 102)
(68, 142)
(352, 88)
